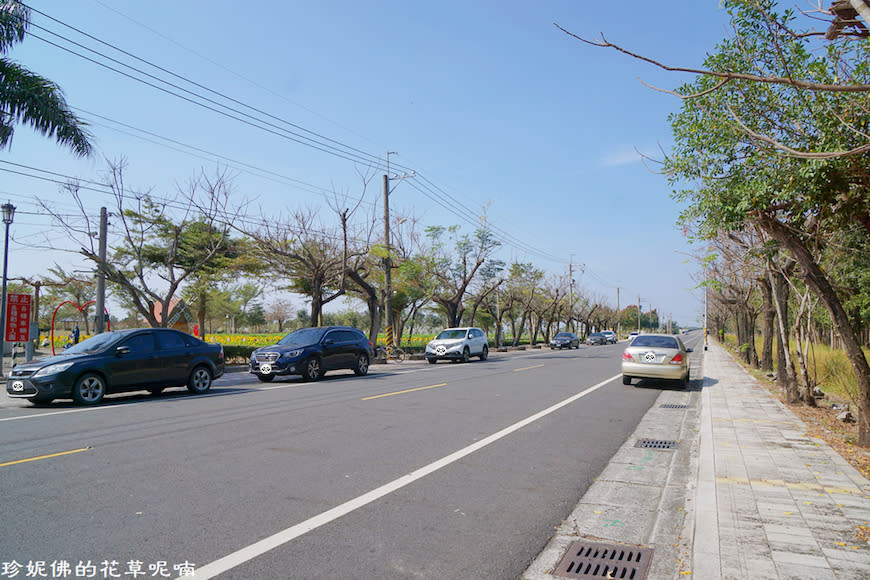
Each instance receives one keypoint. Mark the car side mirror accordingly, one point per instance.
(328, 341)
(122, 350)
(689, 350)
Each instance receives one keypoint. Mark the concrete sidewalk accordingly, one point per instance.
(734, 488)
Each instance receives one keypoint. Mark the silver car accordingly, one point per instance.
(656, 356)
(458, 344)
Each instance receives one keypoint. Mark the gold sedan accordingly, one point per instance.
(656, 356)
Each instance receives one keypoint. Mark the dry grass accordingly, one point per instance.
(822, 423)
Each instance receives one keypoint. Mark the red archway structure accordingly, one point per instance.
(81, 309)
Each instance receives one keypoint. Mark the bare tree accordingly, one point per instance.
(156, 244)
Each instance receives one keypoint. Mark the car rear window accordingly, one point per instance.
(655, 341)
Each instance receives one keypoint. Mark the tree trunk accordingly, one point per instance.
(785, 376)
(767, 329)
(804, 386)
(817, 280)
(520, 330)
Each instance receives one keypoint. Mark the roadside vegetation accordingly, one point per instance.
(771, 161)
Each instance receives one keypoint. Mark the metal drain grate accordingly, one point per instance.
(673, 406)
(657, 444)
(586, 559)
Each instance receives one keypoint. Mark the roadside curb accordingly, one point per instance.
(643, 496)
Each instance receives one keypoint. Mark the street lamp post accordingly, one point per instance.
(8, 215)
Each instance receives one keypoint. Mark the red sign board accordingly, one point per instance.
(17, 318)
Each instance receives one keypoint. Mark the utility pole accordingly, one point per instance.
(618, 316)
(571, 293)
(388, 286)
(100, 321)
(639, 313)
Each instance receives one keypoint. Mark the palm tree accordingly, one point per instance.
(28, 98)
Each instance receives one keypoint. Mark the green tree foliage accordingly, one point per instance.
(28, 98)
(782, 148)
(453, 263)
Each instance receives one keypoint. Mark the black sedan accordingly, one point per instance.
(565, 340)
(119, 361)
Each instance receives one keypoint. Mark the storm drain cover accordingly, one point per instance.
(657, 444)
(674, 406)
(586, 559)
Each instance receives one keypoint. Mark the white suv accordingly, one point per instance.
(458, 344)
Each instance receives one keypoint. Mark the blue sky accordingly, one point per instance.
(488, 101)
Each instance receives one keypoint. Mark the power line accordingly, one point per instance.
(310, 139)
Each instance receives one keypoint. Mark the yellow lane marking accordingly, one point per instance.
(790, 485)
(405, 391)
(44, 456)
(527, 368)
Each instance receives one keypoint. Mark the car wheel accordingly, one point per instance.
(266, 378)
(466, 354)
(200, 380)
(311, 370)
(362, 365)
(684, 380)
(89, 389)
(484, 354)
(432, 361)
(626, 380)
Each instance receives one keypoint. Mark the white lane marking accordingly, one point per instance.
(250, 552)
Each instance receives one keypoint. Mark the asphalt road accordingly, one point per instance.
(414, 471)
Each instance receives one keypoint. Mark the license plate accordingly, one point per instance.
(651, 358)
(265, 368)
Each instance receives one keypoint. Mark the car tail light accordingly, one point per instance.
(371, 345)
(678, 359)
(221, 354)
(626, 355)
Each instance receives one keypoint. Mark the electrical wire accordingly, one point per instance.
(310, 139)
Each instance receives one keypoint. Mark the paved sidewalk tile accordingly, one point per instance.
(748, 494)
(788, 506)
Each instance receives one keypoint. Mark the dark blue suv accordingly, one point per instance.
(310, 352)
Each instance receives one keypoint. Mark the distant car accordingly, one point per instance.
(311, 352)
(656, 356)
(632, 335)
(565, 340)
(118, 361)
(596, 338)
(458, 344)
(610, 336)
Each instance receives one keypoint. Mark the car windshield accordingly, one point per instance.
(563, 335)
(451, 333)
(303, 337)
(656, 341)
(95, 343)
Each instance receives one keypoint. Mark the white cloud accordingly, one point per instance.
(623, 157)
